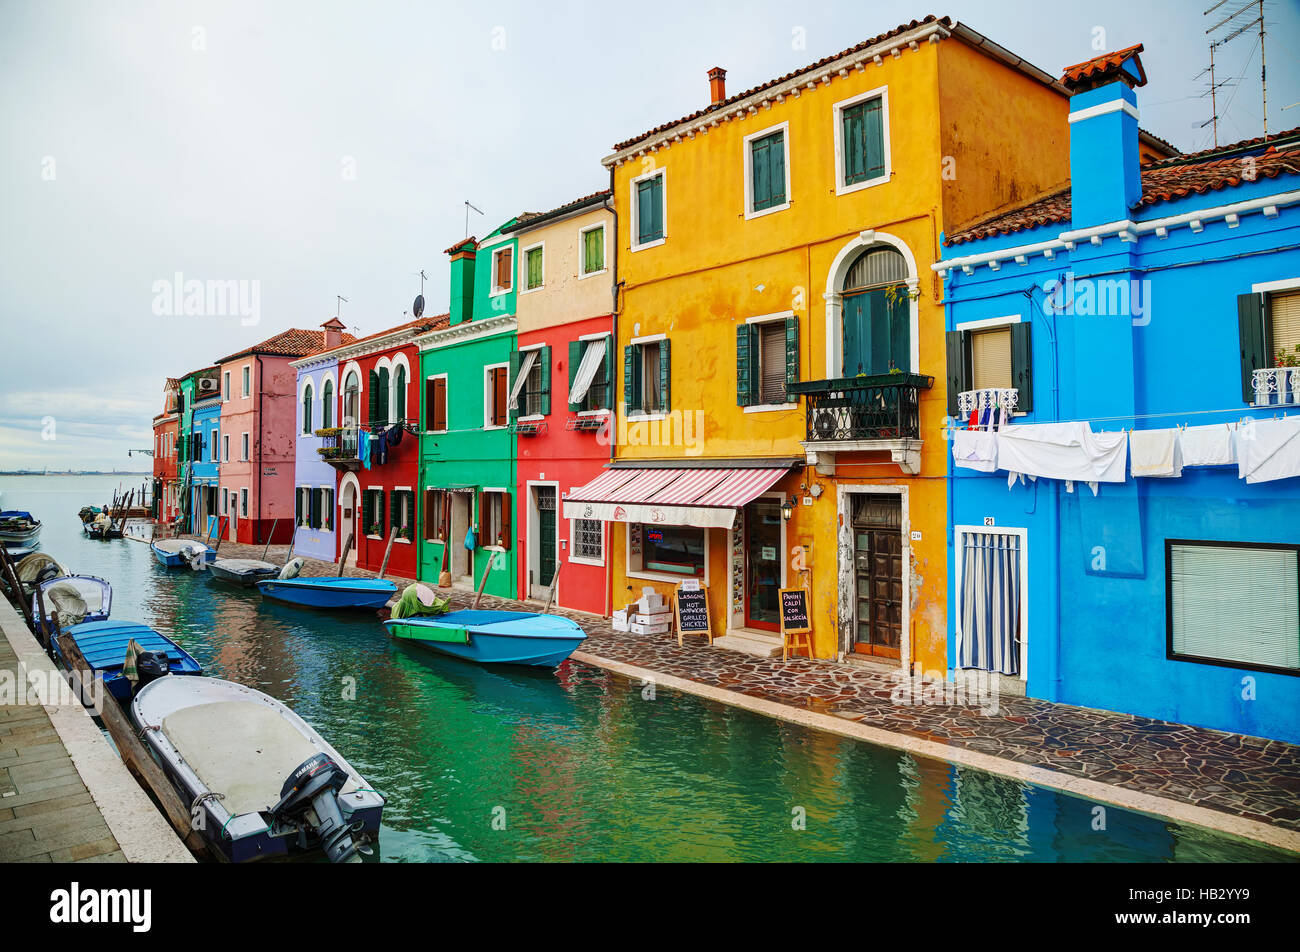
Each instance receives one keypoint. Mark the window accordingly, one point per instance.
(304, 506)
(351, 399)
(990, 579)
(372, 513)
(225, 448)
(997, 357)
(212, 448)
(402, 513)
(437, 514)
(497, 396)
(588, 540)
(648, 209)
(225, 385)
(378, 398)
(646, 377)
(862, 141)
(593, 250)
(399, 394)
(591, 373)
(767, 359)
(306, 410)
(327, 404)
(248, 381)
(671, 550)
(502, 270)
(435, 404)
(244, 442)
(531, 393)
(876, 314)
(324, 508)
(533, 264)
(494, 519)
(243, 502)
(767, 172)
(225, 501)
(1269, 327)
(1233, 604)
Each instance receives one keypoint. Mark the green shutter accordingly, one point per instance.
(575, 358)
(374, 397)
(383, 396)
(744, 365)
(367, 498)
(650, 209)
(955, 343)
(1022, 365)
(607, 393)
(767, 171)
(791, 357)
(399, 385)
(630, 365)
(593, 250)
(315, 508)
(534, 268)
(1252, 330)
(515, 361)
(545, 358)
(665, 377)
(862, 140)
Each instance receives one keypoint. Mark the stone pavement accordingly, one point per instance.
(1241, 776)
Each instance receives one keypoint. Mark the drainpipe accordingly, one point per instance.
(261, 388)
(613, 390)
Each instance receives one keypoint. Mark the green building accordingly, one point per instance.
(467, 443)
(195, 386)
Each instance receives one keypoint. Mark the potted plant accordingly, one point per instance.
(404, 533)
(377, 530)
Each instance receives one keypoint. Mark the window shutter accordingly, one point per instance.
(665, 377)
(607, 391)
(505, 520)
(444, 527)
(744, 365)
(501, 397)
(630, 389)
(575, 358)
(430, 403)
(958, 372)
(1252, 329)
(440, 403)
(791, 357)
(327, 405)
(366, 505)
(315, 508)
(399, 387)
(515, 361)
(394, 510)
(374, 396)
(384, 405)
(380, 500)
(1022, 364)
(297, 505)
(546, 380)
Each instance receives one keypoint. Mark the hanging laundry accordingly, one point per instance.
(1212, 445)
(379, 451)
(393, 436)
(1067, 451)
(363, 448)
(1155, 453)
(975, 449)
(1269, 449)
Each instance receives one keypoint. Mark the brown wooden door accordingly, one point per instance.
(878, 581)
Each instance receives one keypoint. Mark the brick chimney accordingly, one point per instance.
(333, 333)
(1105, 174)
(717, 85)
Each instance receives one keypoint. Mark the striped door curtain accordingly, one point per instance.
(990, 602)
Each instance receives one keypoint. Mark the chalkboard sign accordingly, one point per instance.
(692, 610)
(794, 611)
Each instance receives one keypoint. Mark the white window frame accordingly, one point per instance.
(782, 317)
(750, 212)
(225, 500)
(385, 523)
(446, 410)
(245, 448)
(478, 525)
(635, 215)
(411, 516)
(214, 454)
(573, 542)
(307, 389)
(495, 290)
(247, 378)
(1023, 535)
(225, 447)
(836, 118)
(488, 396)
(225, 388)
(583, 273)
(399, 360)
(243, 502)
(523, 253)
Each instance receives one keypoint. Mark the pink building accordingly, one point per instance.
(259, 435)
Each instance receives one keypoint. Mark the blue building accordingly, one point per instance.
(205, 463)
(1125, 469)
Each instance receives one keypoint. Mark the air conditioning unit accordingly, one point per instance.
(208, 385)
(825, 421)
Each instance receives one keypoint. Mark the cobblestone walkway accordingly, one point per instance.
(1243, 776)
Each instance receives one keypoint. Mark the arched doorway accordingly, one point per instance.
(875, 316)
(349, 500)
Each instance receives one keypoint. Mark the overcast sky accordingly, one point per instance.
(327, 148)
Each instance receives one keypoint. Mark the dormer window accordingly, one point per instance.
(503, 273)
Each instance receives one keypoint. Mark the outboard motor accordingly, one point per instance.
(150, 666)
(314, 788)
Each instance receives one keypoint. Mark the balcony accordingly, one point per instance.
(1277, 386)
(338, 447)
(1004, 399)
(880, 413)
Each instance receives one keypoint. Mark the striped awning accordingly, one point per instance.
(706, 498)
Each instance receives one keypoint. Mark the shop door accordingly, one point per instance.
(763, 564)
(878, 575)
(543, 562)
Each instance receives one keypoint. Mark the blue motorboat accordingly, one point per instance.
(70, 600)
(182, 553)
(104, 644)
(329, 592)
(493, 637)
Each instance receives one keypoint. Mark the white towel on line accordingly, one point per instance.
(1066, 451)
(1212, 445)
(1269, 450)
(975, 449)
(1155, 453)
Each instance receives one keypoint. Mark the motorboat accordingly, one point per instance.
(18, 527)
(70, 600)
(267, 783)
(329, 592)
(179, 553)
(245, 572)
(106, 646)
(492, 637)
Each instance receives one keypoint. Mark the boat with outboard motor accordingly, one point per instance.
(179, 553)
(326, 591)
(492, 637)
(266, 781)
(106, 647)
(70, 600)
(245, 572)
(18, 527)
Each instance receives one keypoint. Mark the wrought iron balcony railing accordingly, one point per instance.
(989, 398)
(339, 447)
(880, 407)
(1275, 386)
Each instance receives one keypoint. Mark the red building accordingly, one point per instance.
(562, 391)
(165, 429)
(378, 446)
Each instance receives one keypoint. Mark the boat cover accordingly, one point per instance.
(242, 566)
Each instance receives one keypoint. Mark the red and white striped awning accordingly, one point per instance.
(707, 498)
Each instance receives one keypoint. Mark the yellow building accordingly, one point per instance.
(781, 334)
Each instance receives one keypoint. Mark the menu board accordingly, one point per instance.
(794, 611)
(692, 610)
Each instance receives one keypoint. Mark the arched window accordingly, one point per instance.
(876, 314)
(378, 398)
(306, 410)
(351, 400)
(399, 394)
(327, 404)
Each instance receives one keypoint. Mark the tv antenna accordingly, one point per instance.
(339, 309)
(468, 209)
(1233, 28)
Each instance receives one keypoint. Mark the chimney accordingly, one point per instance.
(462, 281)
(717, 85)
(1105, 178)
(333, 333)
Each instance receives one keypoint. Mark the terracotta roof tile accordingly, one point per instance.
(470, 241)
(536, 218)
(420, 325)
(1161, 182)
(295, 342)
(1102, 67)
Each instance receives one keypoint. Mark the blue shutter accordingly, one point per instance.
(745, 353)
(665, 377)
(631, 392)
(545, 358)
(791, 357)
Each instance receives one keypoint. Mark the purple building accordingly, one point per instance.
(315, 480)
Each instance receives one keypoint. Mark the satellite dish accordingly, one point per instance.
(418, 307)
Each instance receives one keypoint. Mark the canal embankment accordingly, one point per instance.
(65, 795)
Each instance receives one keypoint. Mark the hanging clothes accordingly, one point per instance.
(1155, 453)
(1066, 451)
(393, 435)
(1212, 445)
(363, 448)
(975, 449)
(1269, 449)
(379, 451)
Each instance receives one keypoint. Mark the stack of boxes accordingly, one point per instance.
(648, 615)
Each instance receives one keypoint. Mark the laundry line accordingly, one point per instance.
(959, 423)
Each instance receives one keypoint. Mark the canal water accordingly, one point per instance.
(579, 764)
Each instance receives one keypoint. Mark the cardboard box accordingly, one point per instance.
(637, 628)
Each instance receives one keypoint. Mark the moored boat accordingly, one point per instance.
(329, 592)
(18, 527)
(244, 572)
(70, 600)
(180, 553)
(104, 645)
(492, 637)
(267, 782)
